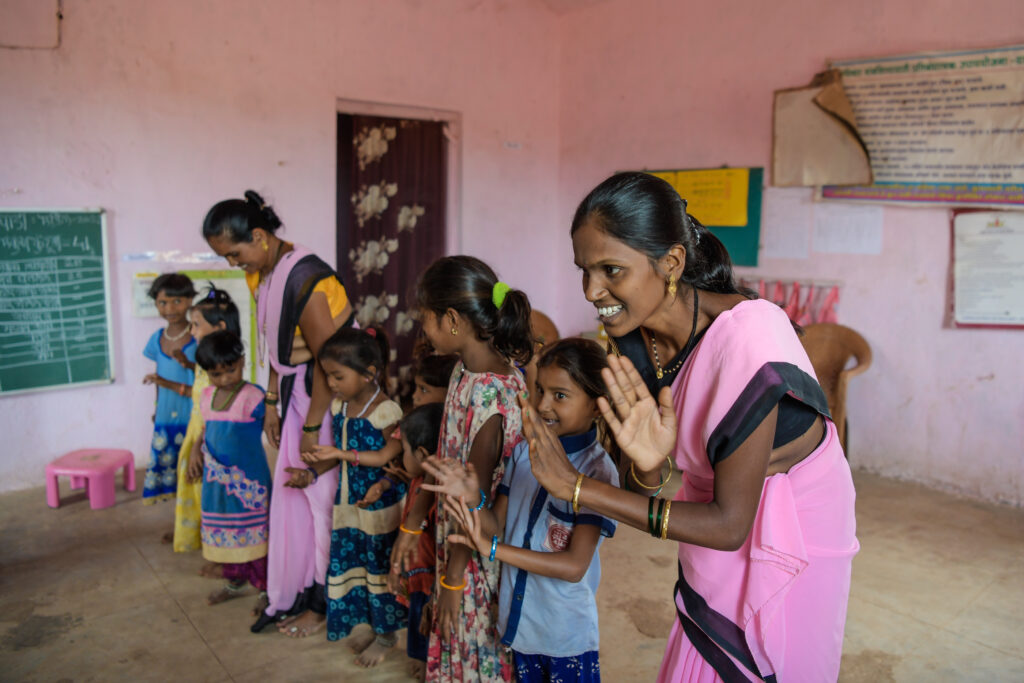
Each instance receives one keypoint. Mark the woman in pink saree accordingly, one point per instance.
(300, 302)
(765, 513)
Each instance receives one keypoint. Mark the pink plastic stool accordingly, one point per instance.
(94, 469)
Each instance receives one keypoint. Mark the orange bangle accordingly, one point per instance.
(401, 527)
(452, 588)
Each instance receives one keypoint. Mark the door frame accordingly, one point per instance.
(453, 154)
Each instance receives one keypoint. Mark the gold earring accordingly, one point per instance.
(454, 330)
(266, 247)
(672, 287)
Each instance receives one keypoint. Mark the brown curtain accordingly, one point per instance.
(391, 220)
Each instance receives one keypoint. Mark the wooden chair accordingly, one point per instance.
(830, 347)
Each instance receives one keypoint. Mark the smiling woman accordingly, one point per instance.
(300, 302)
(764, 517)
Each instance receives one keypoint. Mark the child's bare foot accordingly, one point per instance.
(228, 591)
(167, 538)
(417, 669)
(357, 642)
(212, 570)
(373, 654)
(261, 604)
(306, 624)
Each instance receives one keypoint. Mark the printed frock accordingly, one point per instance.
(474, 652)
(169, 423)
(361, 538)
(236, 479)
(188, 506)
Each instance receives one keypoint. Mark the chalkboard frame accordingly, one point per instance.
(108, 309)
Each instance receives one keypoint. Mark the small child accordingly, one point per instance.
(173, 349)
(420, 430)
(465, 310)
(363, 423)
(235, 475)
(550, 566)
(215, 311)
(431, 378)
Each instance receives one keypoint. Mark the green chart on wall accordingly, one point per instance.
(54, 300)
(728, 202)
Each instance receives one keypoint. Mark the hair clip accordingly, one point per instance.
(498, 293)
(372, 332)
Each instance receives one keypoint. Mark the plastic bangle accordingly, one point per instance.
(356, 460)
(316, 475)
(270, 401)
(658, 518)
(664, 522)
(576, 494)
(483, 501)
(494, 547)
(311, 429)
(401, 527)
(452, 588)
(650, 515)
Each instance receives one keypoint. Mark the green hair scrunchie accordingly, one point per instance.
(498, 293)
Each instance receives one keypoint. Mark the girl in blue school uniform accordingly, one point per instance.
(173, 350)
(548, 548)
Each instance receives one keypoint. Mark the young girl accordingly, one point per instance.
(215, 311)
(421, 430)
(431, 378)
(363, 422)
(235, 474)
(465, 310)
(550, 567)
(173, 350)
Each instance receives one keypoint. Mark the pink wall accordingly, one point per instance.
(679, 85)
(156, 110)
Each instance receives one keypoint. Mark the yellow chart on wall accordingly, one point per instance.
(716, 196)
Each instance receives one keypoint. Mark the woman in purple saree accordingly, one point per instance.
(300, 302)
(765, 514)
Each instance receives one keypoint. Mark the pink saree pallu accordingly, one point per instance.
(775, 609)
(300, 519)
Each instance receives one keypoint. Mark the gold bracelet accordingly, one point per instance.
(663, 481)
(576, 494)
(452, 588)
(272, 395)
(401, 527)
(664, 521)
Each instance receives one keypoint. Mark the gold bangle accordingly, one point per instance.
(401, 527)
(452, 588)
(272, 395)
(664, 521)
(576, 494)
(663, 481)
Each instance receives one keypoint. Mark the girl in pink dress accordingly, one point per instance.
(765, 516)
(465, 310)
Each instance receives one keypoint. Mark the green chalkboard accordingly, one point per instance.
(54, 300)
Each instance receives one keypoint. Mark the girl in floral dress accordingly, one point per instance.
(465, 310)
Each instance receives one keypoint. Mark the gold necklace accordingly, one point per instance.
(686, 349)
(231, 397)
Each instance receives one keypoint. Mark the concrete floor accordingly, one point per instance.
(938, 595)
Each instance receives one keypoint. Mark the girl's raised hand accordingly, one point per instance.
(451, 478)
(319, 452)
(470, 521)
(548, 461)
(298, 478)
(645, 429)
(395, 469)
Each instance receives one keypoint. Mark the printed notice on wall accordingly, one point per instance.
(940, 127)
(988, 268)
(716, 196)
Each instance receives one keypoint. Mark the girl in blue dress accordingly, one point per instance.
(230, 459)
(173, 349)
(363, 424)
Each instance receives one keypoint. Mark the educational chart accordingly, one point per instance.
(54, 302)
(988, 268)
(728, 202)
(940, 127)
